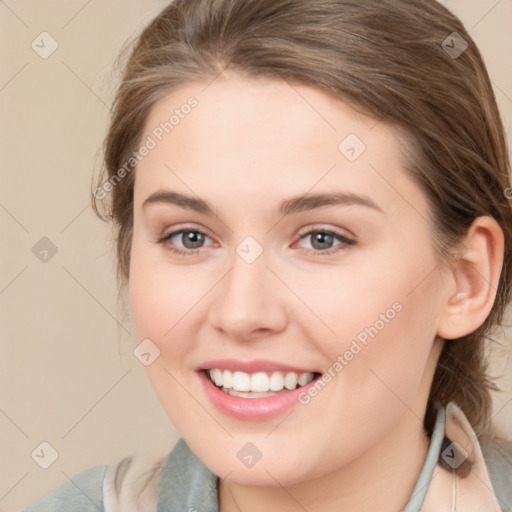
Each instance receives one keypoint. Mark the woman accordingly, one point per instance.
(313, 222)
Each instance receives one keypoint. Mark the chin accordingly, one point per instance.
(226, 459)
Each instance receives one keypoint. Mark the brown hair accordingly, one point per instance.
(394, 60)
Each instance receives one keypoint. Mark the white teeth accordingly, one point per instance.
(227, 379)
(248, 394)
(217, 377)
(276, 381)
(303, 379)
(259, 382)
(241, 381)
(290, 381)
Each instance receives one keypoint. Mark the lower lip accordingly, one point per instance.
(252, 408)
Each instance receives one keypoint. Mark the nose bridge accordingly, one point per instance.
(244, 279)
(247, 300)
(244, 286)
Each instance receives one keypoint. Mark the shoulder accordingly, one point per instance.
(82, 492)
(498, 459)
(489, 475)
(137, 483)
(178, 480)
(131, 485)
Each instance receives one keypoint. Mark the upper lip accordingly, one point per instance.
(257, 365)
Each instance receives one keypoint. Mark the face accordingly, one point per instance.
(300, 251)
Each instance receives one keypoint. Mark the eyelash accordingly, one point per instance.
(345, 241)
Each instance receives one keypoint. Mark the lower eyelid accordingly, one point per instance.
(342, 239)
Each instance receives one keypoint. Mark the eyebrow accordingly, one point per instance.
(293, 205)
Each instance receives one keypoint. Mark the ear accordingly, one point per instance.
(475, 276)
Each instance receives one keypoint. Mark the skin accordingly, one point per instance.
(246, 147)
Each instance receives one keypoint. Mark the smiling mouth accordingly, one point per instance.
(259, 384)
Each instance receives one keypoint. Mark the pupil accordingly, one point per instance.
(323, 238)
(194, 238)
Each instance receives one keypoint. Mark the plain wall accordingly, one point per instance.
(67, 374)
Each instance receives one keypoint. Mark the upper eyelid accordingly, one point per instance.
(333, 231)
(301, 235)
(176, 230)
(320, 228)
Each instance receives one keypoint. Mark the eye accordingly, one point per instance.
(190, 238)
(322, 241)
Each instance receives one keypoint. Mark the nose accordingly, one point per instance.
(249, 302)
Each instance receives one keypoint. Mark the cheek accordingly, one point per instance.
(160, 295)
(382, 326)
(380, 357)
(159, 302)
(348, 304)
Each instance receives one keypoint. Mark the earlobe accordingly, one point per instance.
(476, 276)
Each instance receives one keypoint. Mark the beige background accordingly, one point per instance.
(67, 374)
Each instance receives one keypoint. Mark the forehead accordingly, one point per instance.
(269, 137)
(238, 110)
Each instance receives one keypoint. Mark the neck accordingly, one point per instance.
(385, 474)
